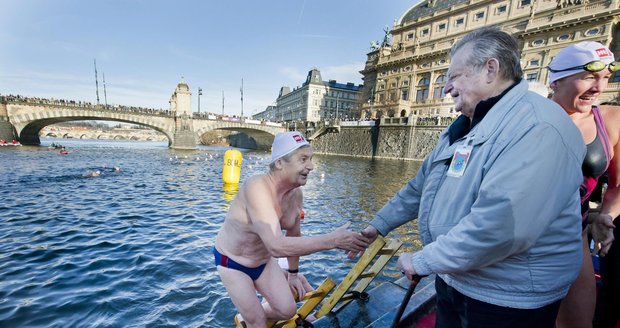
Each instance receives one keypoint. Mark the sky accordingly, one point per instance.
(145, 47)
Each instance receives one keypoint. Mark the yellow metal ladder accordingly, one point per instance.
(340, 295)
(312, 299)
(357, 272)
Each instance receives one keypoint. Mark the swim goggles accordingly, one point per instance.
(593, 66)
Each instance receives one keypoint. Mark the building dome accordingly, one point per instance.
(426, 8)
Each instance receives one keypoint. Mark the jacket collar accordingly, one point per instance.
(463, 125)
(484, 128)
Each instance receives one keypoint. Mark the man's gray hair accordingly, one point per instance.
(491, 42)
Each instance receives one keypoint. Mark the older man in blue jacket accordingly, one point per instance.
(497, 199)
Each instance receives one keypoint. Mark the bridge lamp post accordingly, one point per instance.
(199, 94)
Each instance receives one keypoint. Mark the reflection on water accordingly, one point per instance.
(230, 191)
(132, 247)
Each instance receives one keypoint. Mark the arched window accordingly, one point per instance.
(440, 82)
(423, 84)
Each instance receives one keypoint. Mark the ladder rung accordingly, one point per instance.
(347, 297)
(368, 274)
(312, 294)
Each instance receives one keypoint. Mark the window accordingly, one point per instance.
(534, 62)
(410, 36)
(592, 31)
(381, 97)
(405, 83)
(423, 84)
(563, 37)
(422, 95)
(538, 42)
(440, 82)
(531, 77)
(441, 27)
(425, 32)
(459, 21)
(479, 15)
(405, 94)
(525, 3)
(500, 10)
(438, 92)
(393, 85)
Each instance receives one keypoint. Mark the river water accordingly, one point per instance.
(132, 246)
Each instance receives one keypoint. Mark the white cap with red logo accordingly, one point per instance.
(285, 143)
(578, 54)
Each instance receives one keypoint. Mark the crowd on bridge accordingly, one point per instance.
(81, 104)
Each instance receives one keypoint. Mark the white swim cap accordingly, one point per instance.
(285, 143)
(578, 54)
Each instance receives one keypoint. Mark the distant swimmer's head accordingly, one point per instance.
(285, 143)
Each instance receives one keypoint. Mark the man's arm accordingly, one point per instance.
(295, 231)
(404, 206)
(265, 223)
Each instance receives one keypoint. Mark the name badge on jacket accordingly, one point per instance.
(459, 160)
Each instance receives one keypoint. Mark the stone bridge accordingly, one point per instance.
(24, 118)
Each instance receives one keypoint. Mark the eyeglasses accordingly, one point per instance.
(593, 66)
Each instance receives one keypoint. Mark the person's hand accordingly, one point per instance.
(602, 229)
(299, 285)
(369, 232)
(348, 240)
(405, 266)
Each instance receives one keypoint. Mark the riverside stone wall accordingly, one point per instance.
(397, 142)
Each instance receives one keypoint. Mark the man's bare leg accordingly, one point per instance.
(243, 295)
(273, 285)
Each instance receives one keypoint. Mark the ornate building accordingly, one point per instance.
(314, 101)
(406, 76)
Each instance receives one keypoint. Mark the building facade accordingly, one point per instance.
(406, 76)
(315, 100)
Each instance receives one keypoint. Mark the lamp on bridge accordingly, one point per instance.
(199, 94)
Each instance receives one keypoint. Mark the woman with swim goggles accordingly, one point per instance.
(577, 88)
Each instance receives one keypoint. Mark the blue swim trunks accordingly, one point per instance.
(223, 260)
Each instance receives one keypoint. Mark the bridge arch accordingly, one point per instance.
(258, 138)
(29, 125)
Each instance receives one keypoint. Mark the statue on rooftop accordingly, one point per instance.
(386, 37)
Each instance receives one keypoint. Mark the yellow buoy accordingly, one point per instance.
(231, 171)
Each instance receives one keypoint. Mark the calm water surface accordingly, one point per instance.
(132, 247)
